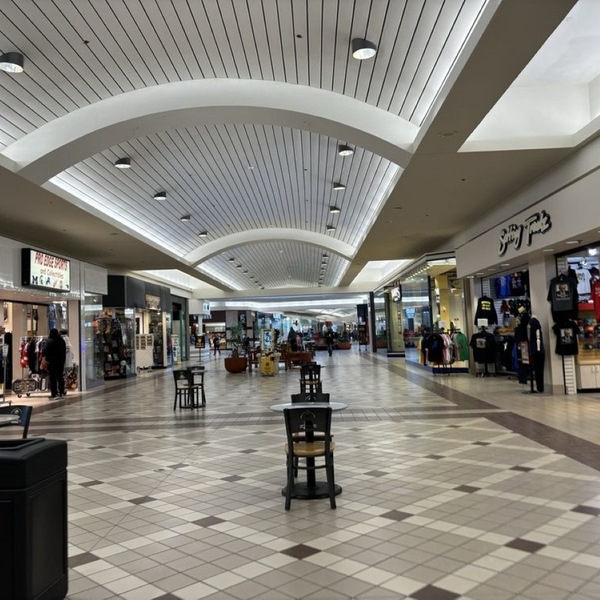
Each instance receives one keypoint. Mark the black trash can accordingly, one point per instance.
(33, 519)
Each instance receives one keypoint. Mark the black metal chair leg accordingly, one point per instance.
(290, 482)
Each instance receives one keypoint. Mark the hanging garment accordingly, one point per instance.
(486, 310)
(566, 338)
(596, 298)
(435, 353)
(484, 347)
(563, 298)
(534, 335)
(584, 279)
(462, 344)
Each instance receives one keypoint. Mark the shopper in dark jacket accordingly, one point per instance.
(56, 354)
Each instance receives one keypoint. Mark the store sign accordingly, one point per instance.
(514, 234)
(42, 270)
(152, 302)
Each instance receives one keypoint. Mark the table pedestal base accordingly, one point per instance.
(302, 491)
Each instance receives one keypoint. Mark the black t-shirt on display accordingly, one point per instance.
(563, 298)
(486, 310)
(566, 338)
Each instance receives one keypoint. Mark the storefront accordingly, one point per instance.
(547, 255)
(42, 291)
(429, 303)
(134, 329)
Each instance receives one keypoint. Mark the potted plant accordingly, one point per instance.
(344, 342)
(236, 363)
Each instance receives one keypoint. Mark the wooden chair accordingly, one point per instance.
(310, 378)
(24, 413)
(309, 421)
(198, 385)
(185, 390)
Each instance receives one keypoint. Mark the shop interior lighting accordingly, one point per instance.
(345, 150)
(12, 62)
(363, 49)
(334, 210)
(572, 242)
(338, 186)
(592, 251)
(185, 218)
(203, 234)
(123, 163)
(330, 228)
(160, 196)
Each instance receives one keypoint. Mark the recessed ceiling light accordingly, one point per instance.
(330, 228)
(185, 218)
(548, 250)
(338, 186)
(345, 150)
(238, 266)
(231, 259)
(250, 167)
(123, 163)
(470, 276)
(492, 269)
(12, 62)
(505, 264)
(480, 273)
(244, 272)
(160, 196)
(572, 242)
(203, 234)
(363, 49)
(334, 210)
(592, 251)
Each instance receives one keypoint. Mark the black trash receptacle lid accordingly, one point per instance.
(26, 462)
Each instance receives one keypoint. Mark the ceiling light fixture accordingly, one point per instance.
(334, 210)
(185, 218)
(592, 251)
(123, 163)
(238, 266)
(548, 250)
(330, 228)
(12, 62)
(160, 196)
(339, 186)
(345, 150)
(231, 259)
(572, 242)
(203, 234)
(363, 49)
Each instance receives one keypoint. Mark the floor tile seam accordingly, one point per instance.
(220, 425)
(432, 386)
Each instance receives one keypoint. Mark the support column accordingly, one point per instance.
(372, 325)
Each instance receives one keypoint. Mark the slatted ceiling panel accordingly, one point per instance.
(301, 261)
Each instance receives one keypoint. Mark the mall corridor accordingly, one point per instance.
(452, 488)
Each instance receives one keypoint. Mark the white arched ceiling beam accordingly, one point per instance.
(207, 251)
(68, 140)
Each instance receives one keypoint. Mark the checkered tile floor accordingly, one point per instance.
(446, 493)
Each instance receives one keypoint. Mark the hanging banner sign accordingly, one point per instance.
(514, 234)
(41, 270)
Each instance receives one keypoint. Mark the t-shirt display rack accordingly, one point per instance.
(34, 372)
(494, 305)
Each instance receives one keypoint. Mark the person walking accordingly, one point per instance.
(329, 337)
(56, 354)
(216, 345)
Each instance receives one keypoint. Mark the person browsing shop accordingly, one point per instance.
(56, 354)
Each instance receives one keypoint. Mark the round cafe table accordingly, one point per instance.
(312, 488)
(6, 420)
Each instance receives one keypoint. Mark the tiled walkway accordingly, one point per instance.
(453, 488)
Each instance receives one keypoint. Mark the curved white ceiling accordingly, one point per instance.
(242, 238)
(70, 139)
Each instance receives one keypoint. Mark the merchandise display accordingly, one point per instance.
(114, 337)
(486, 310)
(563, 298)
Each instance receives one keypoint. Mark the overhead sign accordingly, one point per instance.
(515, 233)
(45, 271)
(152, 302)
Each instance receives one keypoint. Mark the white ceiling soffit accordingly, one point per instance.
(555, 101)
(276, 264)
(177, 278)
(376, 271)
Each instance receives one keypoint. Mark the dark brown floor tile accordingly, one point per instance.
(396, 515)
(412, 435)
(168, 597)
(481, 444)
(469, 489)
(91, 483)
(522, 469)
(300, 551)
(95, 447)
(431, 592)
(142, 500)
(233, 478)
(133, 455)
(434, 456)
(249, 451)
(208, 521)
(177, 466)
(82, 559)
(586, 510)
(525, 545)
(376, 473)
(454, 426)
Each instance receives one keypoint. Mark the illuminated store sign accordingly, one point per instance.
(514, 234)
(46, 271)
